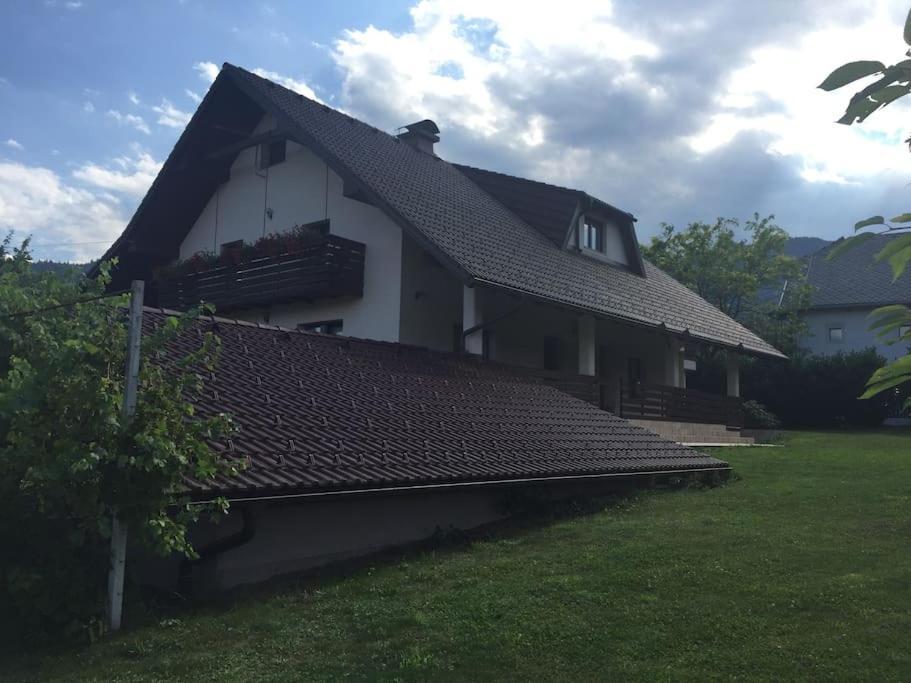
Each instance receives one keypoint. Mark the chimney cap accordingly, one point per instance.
(425, 128)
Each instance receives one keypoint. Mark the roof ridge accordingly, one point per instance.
(316, 103)
(517, 177)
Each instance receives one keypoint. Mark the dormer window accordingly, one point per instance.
(592, 234)
(271, 153)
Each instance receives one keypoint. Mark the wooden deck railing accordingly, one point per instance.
(331, 266)
(649, 401)
(659, 402)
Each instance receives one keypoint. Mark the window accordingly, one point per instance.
(551, 353)
(904, 331)
(592, 235)
(271, 153)
(323, 326)
(836, 335)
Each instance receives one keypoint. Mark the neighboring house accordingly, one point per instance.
(430, 330)
(845, 290)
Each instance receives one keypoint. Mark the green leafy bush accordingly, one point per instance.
(820, 391)
(67, 458)
(757, 416)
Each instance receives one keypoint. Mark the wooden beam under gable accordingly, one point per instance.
(252, 141)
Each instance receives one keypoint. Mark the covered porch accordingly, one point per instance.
(637, 372)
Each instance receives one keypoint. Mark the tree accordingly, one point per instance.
(742, 277)
(68, 460)
(892, 83)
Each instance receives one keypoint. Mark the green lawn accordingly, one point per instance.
(799, 570)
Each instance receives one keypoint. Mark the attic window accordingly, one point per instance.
(271, 153)
(592, 234)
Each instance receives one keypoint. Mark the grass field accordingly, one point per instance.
(801, 569)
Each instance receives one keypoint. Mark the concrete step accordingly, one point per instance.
(689, 433)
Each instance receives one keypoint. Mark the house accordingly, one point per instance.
(845, 290)
(405, 338)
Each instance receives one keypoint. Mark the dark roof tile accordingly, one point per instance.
(855, 279)
(367, 414)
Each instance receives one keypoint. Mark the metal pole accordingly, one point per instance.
(131, 384)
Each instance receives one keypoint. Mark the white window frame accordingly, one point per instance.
(591, 226)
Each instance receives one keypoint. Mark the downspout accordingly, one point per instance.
(216, 548)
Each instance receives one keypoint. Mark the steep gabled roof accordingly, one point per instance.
(547, 208)
(854, 279)
(469, 231)
(551, 209)
(320, 413)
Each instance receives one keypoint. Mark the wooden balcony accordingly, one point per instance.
(328, 267)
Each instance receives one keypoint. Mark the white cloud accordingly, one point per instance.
(14, 144)
(208, 71)
(132, 120)
(290, 83)
(72, 4)
(130, 176)
(35, 201)
(460, 61)
(798, 118)
(133, 97)
(171, 116)
(192, 95)
(88, 107)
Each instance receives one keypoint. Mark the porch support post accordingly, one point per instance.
(674, 373)
(471, 317)
(682, 368)
(733, 374)
(587, 345)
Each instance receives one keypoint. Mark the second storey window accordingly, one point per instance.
(592, 235)
(836, 334)
(271, 153)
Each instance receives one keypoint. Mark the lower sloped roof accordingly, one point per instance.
(323, 413)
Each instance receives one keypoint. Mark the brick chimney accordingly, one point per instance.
(421, 135)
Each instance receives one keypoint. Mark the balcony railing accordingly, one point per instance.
(649, 401)
(659, 402)
(329, 267)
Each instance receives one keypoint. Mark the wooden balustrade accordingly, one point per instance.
(331, 266)
(649, 401)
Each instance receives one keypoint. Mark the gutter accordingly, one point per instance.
(459, 485)
(216, 548)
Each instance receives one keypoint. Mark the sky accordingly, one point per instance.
(674, 111)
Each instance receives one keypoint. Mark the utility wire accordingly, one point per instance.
(36, 311)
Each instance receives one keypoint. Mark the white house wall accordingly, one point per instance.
(857, 336)
(300, 190)
(431, 300)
